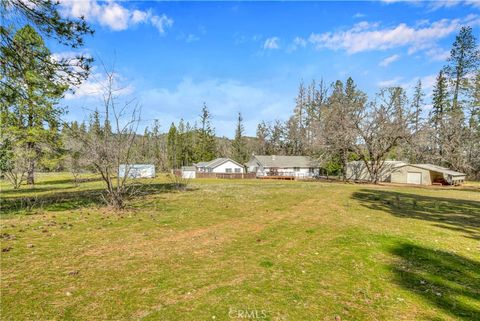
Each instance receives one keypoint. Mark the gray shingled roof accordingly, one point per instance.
(201, 164)
(216, 162)
(286, 161)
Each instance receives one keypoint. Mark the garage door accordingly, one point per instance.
(414, 178)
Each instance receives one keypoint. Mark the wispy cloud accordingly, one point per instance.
(438, 54)
(114, 15)
(428, 82)
(437, 4)
(94, 87)
(359, 15)
(298, 42)
(390, 82)
(367, 36)
(387, 61)
(224, 97)
(271, 43)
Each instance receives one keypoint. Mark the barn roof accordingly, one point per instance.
(286, 161)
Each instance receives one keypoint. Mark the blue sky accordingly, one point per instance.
(251, 56)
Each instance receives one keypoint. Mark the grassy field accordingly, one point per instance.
(239, 249)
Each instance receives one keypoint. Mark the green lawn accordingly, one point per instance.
(225, 249)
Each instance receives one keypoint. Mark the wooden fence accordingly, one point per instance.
(227, 175)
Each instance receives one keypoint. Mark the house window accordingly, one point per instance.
(237, 170)
(228, 170)
(296, 169)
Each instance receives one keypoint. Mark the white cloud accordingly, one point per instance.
(190, 38)
(224, 98)
(428, 82)
(139, 16)
(387, 61)
(438, 54)
(390, 82)
(365, 36)
(113, 14)
(271, 43)
(298, 42)
(359, 15)
(95, 85)
(161, 22)
(439, 4)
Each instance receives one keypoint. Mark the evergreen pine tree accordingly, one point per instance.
(239, 145)
(206, 145)
(172, 147)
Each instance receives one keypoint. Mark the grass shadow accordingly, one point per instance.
(448, 281)
(33, 190)
(454, 214)
(69, 200)
(69, 181)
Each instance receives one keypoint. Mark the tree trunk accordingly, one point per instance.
(344, 165)
(31, 164)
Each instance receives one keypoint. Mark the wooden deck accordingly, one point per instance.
(285, 178)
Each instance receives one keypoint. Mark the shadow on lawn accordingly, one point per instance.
(45, 186)
(69, 200)
(69, 181)
(448, 281)
(454, 214)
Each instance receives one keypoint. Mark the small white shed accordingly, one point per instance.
(188, 171)
(137, 170)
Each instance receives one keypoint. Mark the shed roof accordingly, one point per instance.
(439, 169)
(188, 168)
(286, 161)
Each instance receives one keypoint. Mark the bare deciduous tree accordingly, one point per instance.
(14, 166)
(379, 129)
(109, 145)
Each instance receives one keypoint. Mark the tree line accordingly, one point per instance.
(333, 123)
(339, 123)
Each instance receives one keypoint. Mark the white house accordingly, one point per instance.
(273, 165)
(220, 165)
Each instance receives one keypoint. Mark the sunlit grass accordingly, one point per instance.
(296, 250)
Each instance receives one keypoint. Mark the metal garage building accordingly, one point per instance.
(426, 174)
(403, 173)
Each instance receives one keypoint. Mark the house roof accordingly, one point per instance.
(439, 169)
(285, 161)
(216, 162)
(201, 164)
